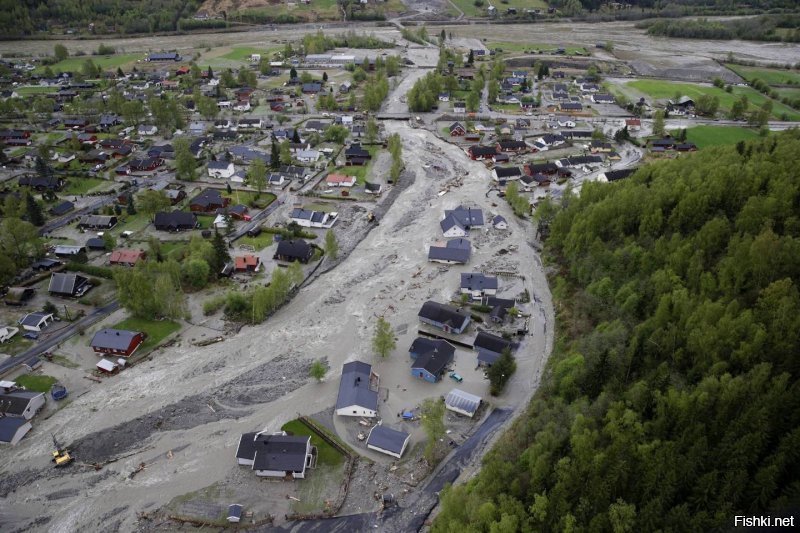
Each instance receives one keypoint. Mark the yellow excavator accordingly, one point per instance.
(61, 456)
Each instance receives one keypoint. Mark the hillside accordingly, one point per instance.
(672, 400)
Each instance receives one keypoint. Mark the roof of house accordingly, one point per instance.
(114, 339)
(62, 208)
(463, 401)
(354, 388)
(245, 261)
(105, 364)
(478, 150)
(467, 216)
(507, 172)
(175, 219)
(294, 248)
(127, 256)
(458, 250)
(280, 452)
(16, 402)
(209, 197)
(449, 222)
(433, 355)
(96, 243)
(614, 175)
(387, 439)
(64, 283)
(475, 281)
(339, 178)
(305, 214)
(442, 313)
(98, 220)
(512, 144)
(220, 165)
(490, 342)
(34, 319)
(9, 426)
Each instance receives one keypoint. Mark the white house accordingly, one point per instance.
(22, 403)
(220, 222)
(242, 106)
(500, 223)
(340, 180)
(7, 333)
(451, 227)
(278, 455)
(35, 321)
(387, 440)
(221, 169)
(358, 391)
(255, 58)
(308, 156)
(13, 429)
(313, 219)
(459, 107)
(147, 130)
(478, 285)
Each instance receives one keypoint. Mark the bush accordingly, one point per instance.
(212, 305)
(478, 3)
(98, 271)
(481, 308)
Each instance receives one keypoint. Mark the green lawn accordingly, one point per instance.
(76, 186)
(74, 64)
(328, 455)
(35, 89)
(248, 197)
(660, 89)
(517, 46)
(260, 242)
(36, 382)
(704, 136)
(174, 249)
(243, 53)
(16, 345)
(205, 221)
(471, 10)
(770, 76)
(156, 330)
(324, 207)
(791, 93)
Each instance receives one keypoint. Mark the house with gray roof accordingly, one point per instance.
(278, 456)
(489, 347)
(358, 390)
(468, 217)
(462, 402)
(117, 341)
(35, 321)
(431, 358)
(444, 317)
(12, 430)
(455, 251)
(68, 285)
(387, 440)
(21, 404)
(313, 219)
(478, 285)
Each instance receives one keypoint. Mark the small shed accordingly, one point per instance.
(387, 440)
(107, 367)
(462, 402)
(234, 513)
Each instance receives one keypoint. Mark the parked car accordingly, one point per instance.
(455, 377)
(32, 335)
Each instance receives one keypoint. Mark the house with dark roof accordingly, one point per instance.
(68, 285)
(478, 285)
(457, 129)
(355, 155)
(614, 175)
(164, 56)
(489, 347)
(12, 430)
(572, 107)
(455, 251)
(97, 222)
(41, 183)
(18, 295)
(312, 219)
(45, 264)
(500, 307)
(358, 390)
(444, 317)
(208, 201)
(175, 221)
(506, 173)
(311, 88)
(117, 341)
(278, 455)
(68, 250)
(469, 217)
(95, 243)
(452, 227)
(479, 153)
(431, 357)
(35, 321)
(387, 440)
(62, 208)
(294, 250)
(517, 147)
(21, 403)
(548, 169)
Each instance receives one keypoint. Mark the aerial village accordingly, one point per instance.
(342, 284)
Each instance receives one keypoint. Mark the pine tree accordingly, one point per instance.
(34, 210)
(221, 254)
(131, 209)
(296, 137)
(274, 155)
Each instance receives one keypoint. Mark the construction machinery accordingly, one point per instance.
(61, 456)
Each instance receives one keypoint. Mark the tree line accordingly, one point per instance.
(670, 401)
(763, 28)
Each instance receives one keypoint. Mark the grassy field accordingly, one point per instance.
(771, 76)
(156, 330)
(660, 89)
(76, 186)
(328, 455)
(791, 93)
(471, 10)
(704, 136)
(36, 382)
(74, 64)
(507, 46)
(34, 89)
(243, 53)
(260, 242)
(16, 345)
(247, 197)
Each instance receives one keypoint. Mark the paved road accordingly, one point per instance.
(413, 516)
(68, 331)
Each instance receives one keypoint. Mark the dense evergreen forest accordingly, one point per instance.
(671, 401)
(25, 17)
